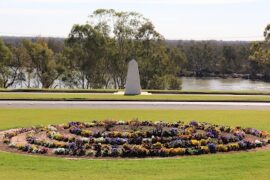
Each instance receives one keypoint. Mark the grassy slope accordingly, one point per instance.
(220, 166)
(179, 97)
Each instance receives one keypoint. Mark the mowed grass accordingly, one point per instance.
(153, 97)
(244, 165)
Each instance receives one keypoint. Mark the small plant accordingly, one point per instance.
(212, 148)
(134, 124)
(86, 133)
(222, 148)
(60, 151)
(108, 124)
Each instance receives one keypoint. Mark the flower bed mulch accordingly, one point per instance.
(132, 139)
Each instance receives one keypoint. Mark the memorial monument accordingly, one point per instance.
(133, 85)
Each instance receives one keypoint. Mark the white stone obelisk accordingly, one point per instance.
(133, 85)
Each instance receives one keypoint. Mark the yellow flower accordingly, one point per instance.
(194, 142)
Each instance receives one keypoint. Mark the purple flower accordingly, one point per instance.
(174, 132)
(242, 144)
(75, 130)
(212, 133)
(194, 123)
(212, 147)
(177, 143)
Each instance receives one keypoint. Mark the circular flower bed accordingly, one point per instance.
(133, 139)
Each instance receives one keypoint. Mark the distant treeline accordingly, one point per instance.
(95, 55)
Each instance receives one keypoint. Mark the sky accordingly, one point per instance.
(174, 19)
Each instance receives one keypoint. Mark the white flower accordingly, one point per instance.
(258, 142)
(51, 128)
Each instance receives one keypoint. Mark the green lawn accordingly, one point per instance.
(251, 165)
(154, 97)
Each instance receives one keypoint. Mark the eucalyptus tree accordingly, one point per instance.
(5, 63)
(44, 62)
(20, 65)
(122, 28)
(131, 35)
(260, 51)
(12, 62)
(85, 49)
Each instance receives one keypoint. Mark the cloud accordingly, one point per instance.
(192, 2)
(169, 2)
(42, 11)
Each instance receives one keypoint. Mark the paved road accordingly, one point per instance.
(134, 105)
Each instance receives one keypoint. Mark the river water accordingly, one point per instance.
(199, 84)
(220, 84)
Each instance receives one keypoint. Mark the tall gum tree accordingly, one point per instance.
(260, 51)
(110, 39)
(44, 62)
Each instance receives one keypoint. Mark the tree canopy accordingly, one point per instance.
(96, 54)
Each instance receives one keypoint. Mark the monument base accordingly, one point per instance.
(123, 93)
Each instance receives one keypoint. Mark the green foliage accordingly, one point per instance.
(101, 49)
(43, 62)
(85, 52)
(5, 63)
(214, 58)
(267, 33)
(96, 54)
(260, 51)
